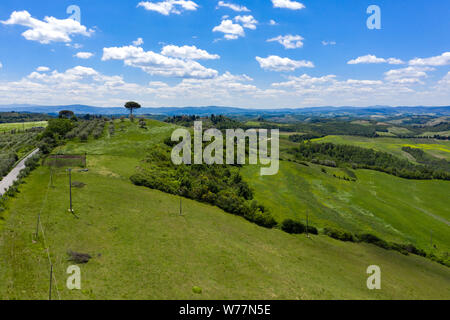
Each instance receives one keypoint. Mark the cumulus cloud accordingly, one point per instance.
(83, 85)
(232, 6)
(49, 30)
(158, 64)
(168, 7)
(234, 30)
(276, 63)
(409, 75)
(84, 55)
(138, 42)
(42, 69)
(231, 30)
(188, 53)
(288, 4)
(442, 60)
(368, 59)
(273, 22)
(248, 22)
(289, 41)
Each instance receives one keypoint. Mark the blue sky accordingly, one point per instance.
(254, 54)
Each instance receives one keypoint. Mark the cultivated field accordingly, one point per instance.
(6, 127)
(437, 148)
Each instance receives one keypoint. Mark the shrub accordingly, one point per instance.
(370, 238)
(293, 227)
(339, 235)
(312, 230)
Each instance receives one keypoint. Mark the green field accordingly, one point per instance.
(5, 127)
(437, 148)
(393, 208)
(143, 249)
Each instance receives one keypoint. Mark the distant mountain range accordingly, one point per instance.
(203, 111)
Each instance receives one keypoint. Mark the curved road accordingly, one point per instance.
(14, 173)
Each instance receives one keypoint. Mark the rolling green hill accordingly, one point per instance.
(437, 148)
(142, 248)
(393, 208)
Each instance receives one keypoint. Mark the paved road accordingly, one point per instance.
(14, 173)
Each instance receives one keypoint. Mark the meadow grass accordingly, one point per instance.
(143, 249)
(396, 209)
(6, 127)
(437, 148)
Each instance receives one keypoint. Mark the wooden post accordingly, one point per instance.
(51, 278)
(70, 188)
(37, 226)
(181, 208)
(307, 222)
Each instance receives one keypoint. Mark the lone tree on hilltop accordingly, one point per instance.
(66, 114)
(131, 105)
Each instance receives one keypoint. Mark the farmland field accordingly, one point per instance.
(437, 148)
(393, 208)
(6, 127)
(143, 249)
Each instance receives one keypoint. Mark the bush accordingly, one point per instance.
(293, 227)
(370, 238)
(312, 230)
(339, 235)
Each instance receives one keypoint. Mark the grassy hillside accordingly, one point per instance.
(143, 249)
(437, 148)
(6, 127)
(393, 208)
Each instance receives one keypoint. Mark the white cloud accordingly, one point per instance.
(158, 64)
(232, 6)
(369, 59)
(169, 6)
(442, 60)
(84, 55)
(409, 75)
(329, 43)
(444, 83)
(394, 61)
(231, 30)
(82, 85)
(188, 53)
(49, 30)
(43, 69)
(248, 22)
(275, 63)
(288, 4)
(1, 65)
(138, 42)
(289, 41)
(273, 23)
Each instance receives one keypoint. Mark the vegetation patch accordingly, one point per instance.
(220, 185)
(333, 155)
(78, 258)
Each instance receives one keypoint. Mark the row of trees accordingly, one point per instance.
(219, 185)
(362, 158)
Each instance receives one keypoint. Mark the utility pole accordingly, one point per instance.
(50, 289)
(70, 188)
(307, 223)
(431, 239)
(37, 226)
